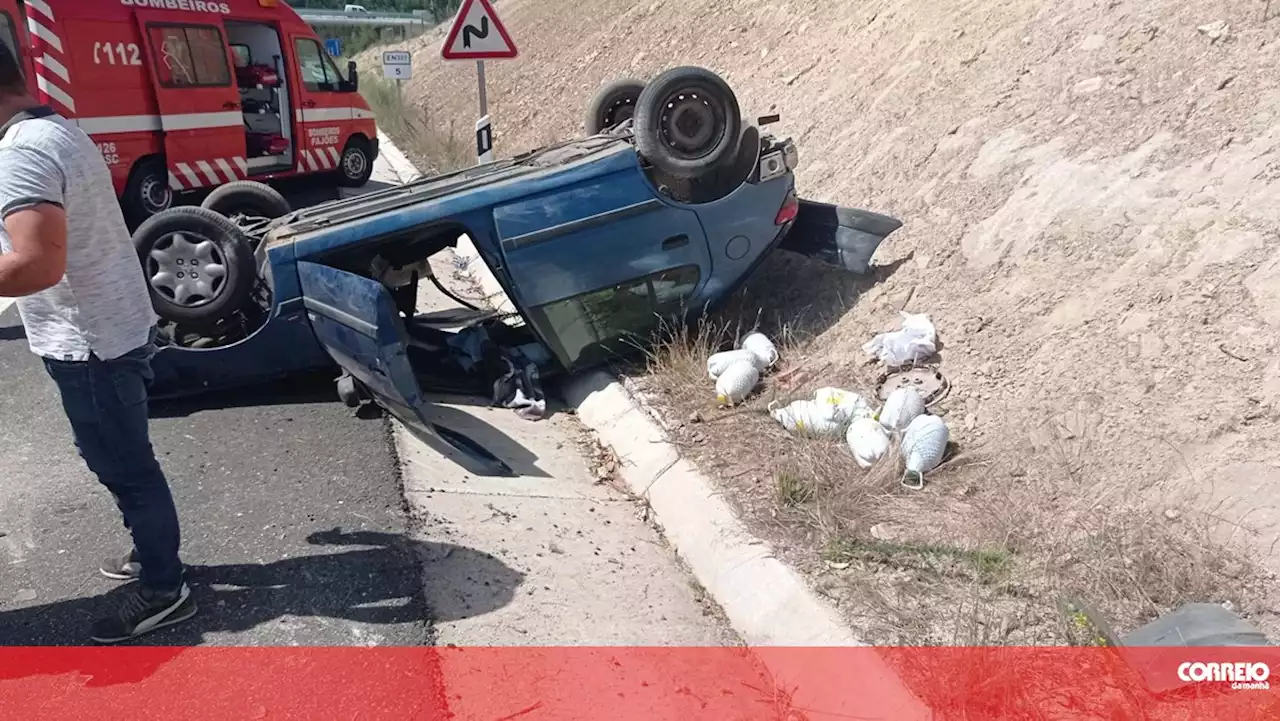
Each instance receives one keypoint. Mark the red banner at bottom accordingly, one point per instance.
(626, 684)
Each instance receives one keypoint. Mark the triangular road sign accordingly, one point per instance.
(477, 34)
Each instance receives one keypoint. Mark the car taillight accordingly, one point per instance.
(790, 208)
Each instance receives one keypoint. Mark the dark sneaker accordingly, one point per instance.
(143, 611)
(122, 568)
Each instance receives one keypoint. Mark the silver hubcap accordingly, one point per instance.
(354, 163)
(187, 268)
(156, 195)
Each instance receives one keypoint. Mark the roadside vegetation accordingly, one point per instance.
(1026, 541)
(434, 146)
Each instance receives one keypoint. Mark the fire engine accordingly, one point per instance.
(184, 95)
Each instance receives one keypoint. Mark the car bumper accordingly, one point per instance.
(844, 237)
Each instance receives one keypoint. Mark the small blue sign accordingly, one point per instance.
(333, 46)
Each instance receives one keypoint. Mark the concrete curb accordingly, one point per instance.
(767, 602)
(403, 168)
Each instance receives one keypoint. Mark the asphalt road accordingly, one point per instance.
(293, 519)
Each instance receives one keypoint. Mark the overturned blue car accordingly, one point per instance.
(661, 211)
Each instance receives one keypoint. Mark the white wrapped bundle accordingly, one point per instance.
(924, 443)
(763, 348)
(718, 362)
(901, 407)
(848, 405)
(736, 382)
(867, 440)
(810, 418)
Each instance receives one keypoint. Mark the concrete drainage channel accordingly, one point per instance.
(766, 602)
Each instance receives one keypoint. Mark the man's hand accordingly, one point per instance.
(39, 258)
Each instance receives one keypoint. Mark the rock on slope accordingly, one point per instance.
(1089, 189)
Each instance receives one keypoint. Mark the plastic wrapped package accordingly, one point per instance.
(718, 362)
(763, 348)
(924, 443)
(901, 407)
(807, 417)
(867, 440)
(736, 382)
(848, 405)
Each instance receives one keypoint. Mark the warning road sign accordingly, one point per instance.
(477, 34)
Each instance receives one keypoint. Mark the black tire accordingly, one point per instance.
(356, 164)
(687, 122)
(147, 191)
(247, 197)
(206, 303)
(613, 105)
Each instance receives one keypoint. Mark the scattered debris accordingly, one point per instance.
(1216, 31)
(917, 341)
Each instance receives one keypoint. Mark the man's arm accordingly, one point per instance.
(31, 206)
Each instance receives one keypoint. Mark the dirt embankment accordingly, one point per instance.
(1089, 190)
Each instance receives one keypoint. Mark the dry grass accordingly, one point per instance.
(1005, 544)
(433, 146)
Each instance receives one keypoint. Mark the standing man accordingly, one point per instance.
(68, 258)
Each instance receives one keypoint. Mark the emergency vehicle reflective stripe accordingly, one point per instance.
(208, 172)
(199, 121)
(50, 68)
(328, 115)
(319, 159)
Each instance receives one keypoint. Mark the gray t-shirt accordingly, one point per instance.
(102, 305)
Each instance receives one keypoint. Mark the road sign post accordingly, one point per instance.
(398, 66)
(477, 34)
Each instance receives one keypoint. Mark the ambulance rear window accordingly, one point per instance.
(190, 56)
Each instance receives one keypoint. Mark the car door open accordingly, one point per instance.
(356, 321)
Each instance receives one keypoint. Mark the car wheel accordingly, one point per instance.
(147, 191)
(613, 105)
(687, 122)
(198, 265)
(247, 198)
(357, 163)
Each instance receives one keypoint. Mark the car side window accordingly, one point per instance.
(610, 322)
(190, 56)
(318, 71)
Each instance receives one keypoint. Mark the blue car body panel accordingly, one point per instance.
(578, 218)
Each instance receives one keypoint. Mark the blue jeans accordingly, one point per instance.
(106, 402)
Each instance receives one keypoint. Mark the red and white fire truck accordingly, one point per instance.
(184, 95)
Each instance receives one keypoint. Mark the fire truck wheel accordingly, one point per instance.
(147, 191)
(249, 198)
(357, 163)
(198, 264)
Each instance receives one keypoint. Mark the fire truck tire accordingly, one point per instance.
(170, 244)
(613, 104)
(687, 122)
(147, 191)
(357, 163)
(247, 197)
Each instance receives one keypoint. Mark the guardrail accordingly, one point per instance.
(338, 17)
